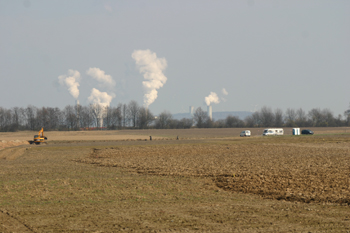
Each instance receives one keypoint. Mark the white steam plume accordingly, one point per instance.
(100, 76)
(212, 98)
(71, 81)
(152, 69)
(101, 98)
(224, 92)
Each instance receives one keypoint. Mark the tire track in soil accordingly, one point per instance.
(10, 223)
(11, 153)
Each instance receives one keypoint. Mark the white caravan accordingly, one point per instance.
(272, 132)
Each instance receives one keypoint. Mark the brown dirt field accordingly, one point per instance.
(12, 143)
(156, 133)
(208, 181)
(281, 171)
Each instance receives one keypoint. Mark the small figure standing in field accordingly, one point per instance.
(150, 138)
(177, 138)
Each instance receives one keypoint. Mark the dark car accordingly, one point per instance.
(306, 131)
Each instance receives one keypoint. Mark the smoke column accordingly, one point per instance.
(71, 81)
(212, 98)
(152, 69)
(100, 76)
(101, 98)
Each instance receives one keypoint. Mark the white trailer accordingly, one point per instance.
(273, 131)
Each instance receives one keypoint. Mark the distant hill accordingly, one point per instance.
(217, 115)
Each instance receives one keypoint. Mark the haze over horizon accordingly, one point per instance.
(169, 55)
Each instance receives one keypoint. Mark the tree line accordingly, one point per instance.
(266, 117)
(134, 116)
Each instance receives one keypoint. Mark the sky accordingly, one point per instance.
(169, 55)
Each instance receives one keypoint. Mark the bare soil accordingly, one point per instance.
(208, 181)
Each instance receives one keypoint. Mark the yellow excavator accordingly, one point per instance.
(39, 138)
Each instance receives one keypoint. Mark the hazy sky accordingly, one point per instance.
(280, 54)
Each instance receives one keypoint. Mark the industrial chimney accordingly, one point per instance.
(191, 111)
(77, 109)
(210, 112)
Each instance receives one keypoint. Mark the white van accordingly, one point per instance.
(272, 132)
(245, 133)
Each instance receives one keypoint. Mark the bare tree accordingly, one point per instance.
(16, 118)
(219, 123)
(249, 121)
(233, 122)
(30, 115)
(200, 117)
(85, 116)
(257, 119)
(78, 109)
(301, 118)
(186, 123)
(70, 117)
(59, 117)
(112, 118)
(43, 118)
(315, 117)
(6, 120)
(290, 117)
(144, 118)
(321, 118)
(116, 117)
(2, 119)
(124, 112)
(133, 111)
(328, 118)
(97, 111)
(347, 117)
(119, 116)
(339, 121)
(278, 118)
(164, 120)
(49, 118)
(267, 117)
(108, 118)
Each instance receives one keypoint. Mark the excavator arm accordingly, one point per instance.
(39, 138)
(41, 132)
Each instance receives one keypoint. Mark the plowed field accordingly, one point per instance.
(281, 171)
(208, 181)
